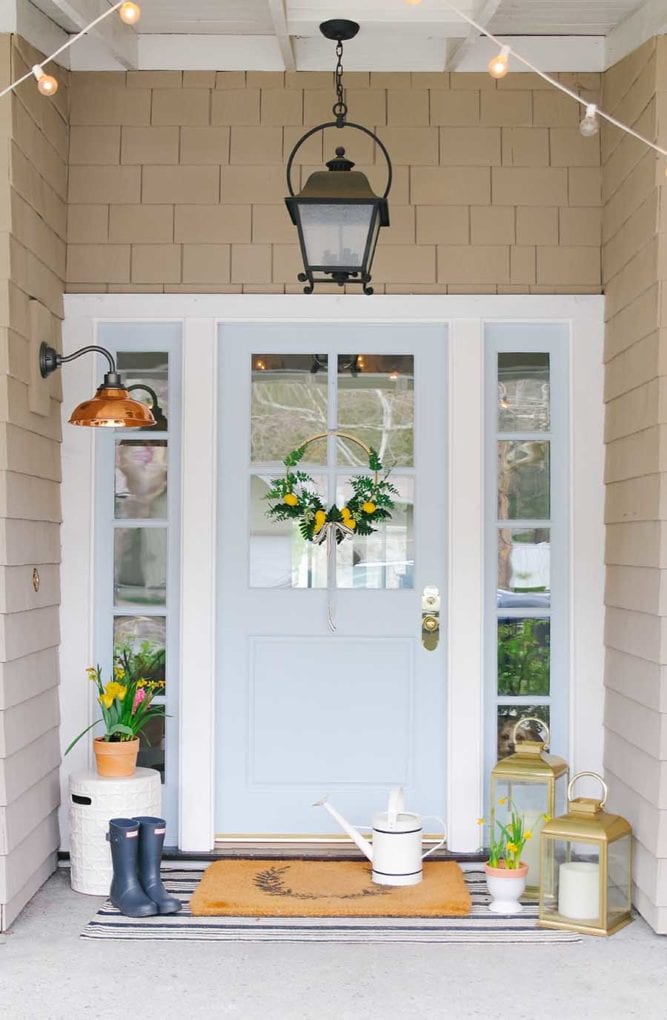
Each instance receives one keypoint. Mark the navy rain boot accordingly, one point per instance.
(126, 893)
(151, 841)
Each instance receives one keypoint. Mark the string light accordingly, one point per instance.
(499, 65)
(129, 12)
(590, 125)
(46, 83)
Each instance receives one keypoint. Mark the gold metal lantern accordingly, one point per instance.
(586, 859)
(534, 784)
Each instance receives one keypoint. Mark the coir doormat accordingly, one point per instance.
(307, 888)
(480, 927)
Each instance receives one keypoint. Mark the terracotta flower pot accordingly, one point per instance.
(505, 886)
(116, 758)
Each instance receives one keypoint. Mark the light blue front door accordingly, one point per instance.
(304, 710)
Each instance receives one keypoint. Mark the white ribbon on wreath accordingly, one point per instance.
(330, 532)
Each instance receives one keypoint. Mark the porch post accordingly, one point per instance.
(196, 826)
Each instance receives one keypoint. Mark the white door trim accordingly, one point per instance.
(200, 315)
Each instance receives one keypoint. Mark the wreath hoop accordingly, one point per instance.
(370, 504)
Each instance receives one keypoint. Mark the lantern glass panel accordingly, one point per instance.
(336, 234)
(619, 880)
(531, 801)
(572, 891)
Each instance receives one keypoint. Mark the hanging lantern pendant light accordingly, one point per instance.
(337, 214)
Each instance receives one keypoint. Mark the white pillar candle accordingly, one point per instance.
(579, 890)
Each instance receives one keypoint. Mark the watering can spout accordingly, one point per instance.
(353, 833)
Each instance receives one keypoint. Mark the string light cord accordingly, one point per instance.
(65, 46)
(553, 81)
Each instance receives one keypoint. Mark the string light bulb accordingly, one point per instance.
(129, 12)
(499, 65)
(590, 124)
(46, 83)
(412, 3)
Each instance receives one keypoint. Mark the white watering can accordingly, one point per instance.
(396, 851)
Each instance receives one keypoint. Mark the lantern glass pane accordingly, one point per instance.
(335, 234)
(571, 888)
(618, 880)
(531, 802)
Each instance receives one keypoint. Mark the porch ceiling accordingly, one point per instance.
(427, 36)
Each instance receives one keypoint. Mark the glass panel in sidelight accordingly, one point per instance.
(140, 566)
(523, 392)
(147, 368)
(140, 484)
(384, 559)
(142, 641)
(509, 715)
(524, 567)
(279, 555)
(288, 405)
(523, 479)
(524, 656)
(152, 746)
(376, 405)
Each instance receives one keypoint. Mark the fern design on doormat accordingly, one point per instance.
(271, 882)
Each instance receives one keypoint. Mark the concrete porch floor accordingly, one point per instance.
(47, 972)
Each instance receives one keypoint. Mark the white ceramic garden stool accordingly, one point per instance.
(93, 800)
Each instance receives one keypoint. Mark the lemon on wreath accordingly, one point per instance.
(350, 522)
(368, 507)
(291, 499)
(345, 512)
(320, 520)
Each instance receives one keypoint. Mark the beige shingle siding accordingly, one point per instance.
(33, 224)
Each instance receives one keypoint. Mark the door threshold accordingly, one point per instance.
(318, 850)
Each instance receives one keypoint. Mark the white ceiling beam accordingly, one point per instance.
(120, 39)
(40, 31)
(460, 50)
(648, 20)
(279, 19)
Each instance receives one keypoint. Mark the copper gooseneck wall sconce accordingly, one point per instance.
(111, 407)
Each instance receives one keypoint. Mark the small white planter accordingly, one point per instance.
(505, 886)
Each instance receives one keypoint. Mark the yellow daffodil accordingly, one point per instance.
(119, 672)
(291, 499)
(106, 700)
(351, 523)
(527, 834)
(512, 847)
(503, 800)
(368, 507)
(92, 673)
(480, 821)
(320, 520)
(345, 512)
(115, 690)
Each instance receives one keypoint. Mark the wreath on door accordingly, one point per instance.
(291, 498)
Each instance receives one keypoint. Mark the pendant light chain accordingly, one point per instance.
(339, 107)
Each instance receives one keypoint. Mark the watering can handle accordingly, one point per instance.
(396, 805)
(442, 841)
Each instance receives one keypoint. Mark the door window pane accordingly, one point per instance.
(523, 392)
(523, 480)
(140, 566)
(288, 405)
(523, 656)
(150, 368)
(143, 638)
(376, 405)
(279, 555)
(152, 745)
(384, 559)
(524, 568)
(140, 486)
(509, 715)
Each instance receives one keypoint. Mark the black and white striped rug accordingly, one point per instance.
(481, 926)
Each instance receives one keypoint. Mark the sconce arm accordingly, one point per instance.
(50, 360)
